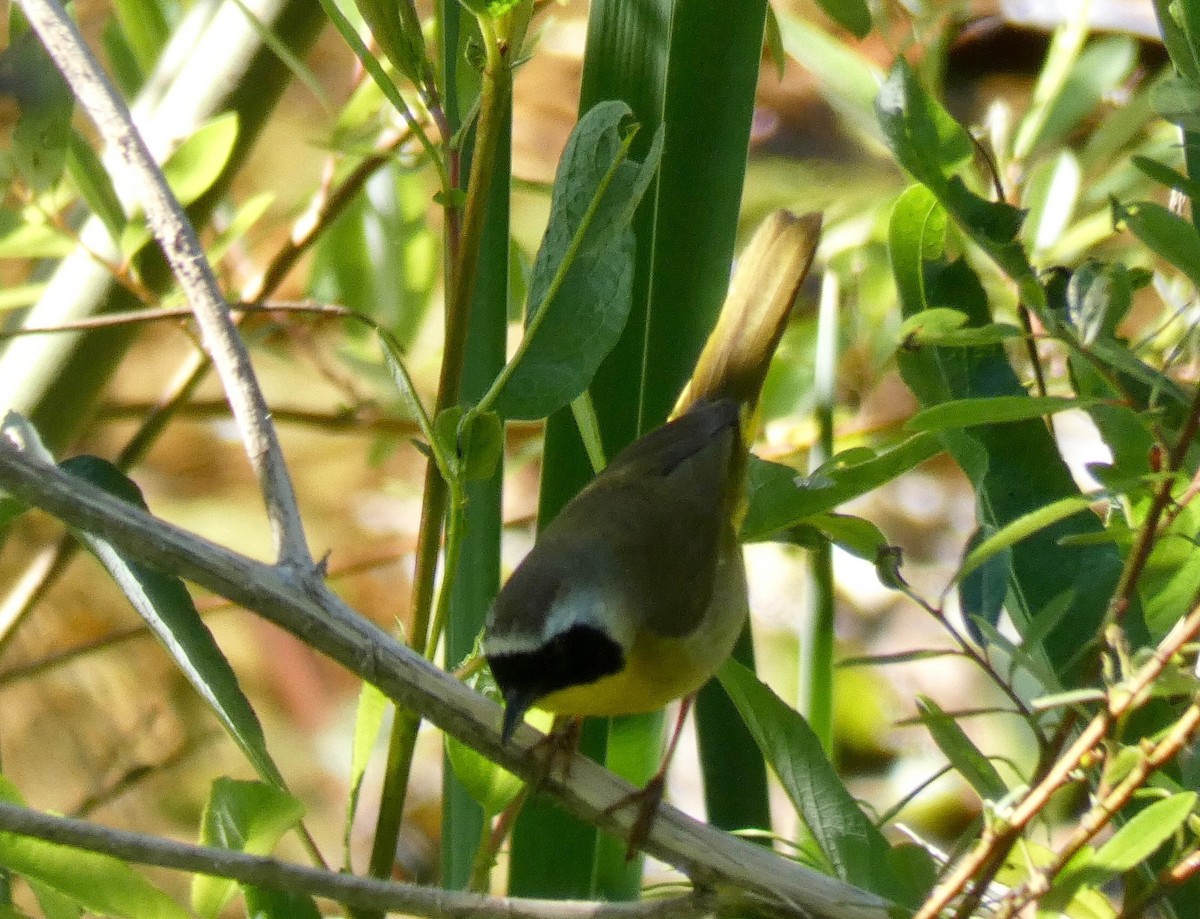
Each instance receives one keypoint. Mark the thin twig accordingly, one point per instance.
(1101, 814)
(182, 249)
(324, 622)
(1132, 693)
(346, 889)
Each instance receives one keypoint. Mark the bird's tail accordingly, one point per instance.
(733, 364)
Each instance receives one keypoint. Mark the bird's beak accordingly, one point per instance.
(515, 706)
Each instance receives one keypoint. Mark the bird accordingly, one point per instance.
(635, 593)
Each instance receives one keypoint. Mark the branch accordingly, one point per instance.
(346, 889)
(182, 249)
(319, 618)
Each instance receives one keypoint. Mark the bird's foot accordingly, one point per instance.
(557, 749)
(647, 800)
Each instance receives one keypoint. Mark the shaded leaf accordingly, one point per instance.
(581, 287)
(964, 756)
(164, 603)
(855, 848)
(981, 592)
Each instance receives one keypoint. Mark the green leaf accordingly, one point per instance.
(934, 147)
(369, 716)
(1050, 196)
(925, 139)
(1022, 528)
(99, 883)
(1167, 234)
(965, 413)
(95, 185)
(248, 817)
(1133, 843)
(852, 15)
(492, 787)
(1165, 175)
(190, 171)
(1171, 578)
(916, 235)
(1100, 70)
(856, 850)
(982, 592)
(581, 287)
(1177, 99)
(1015, 469)
(1098, 298)
(25, 235)
(857, 536)
(145, 28)
(779, 497)
(475, 441)
(964, 756)
(199, 161)
(397, 30)
(164, 603)
(948, 328)
(45, 105)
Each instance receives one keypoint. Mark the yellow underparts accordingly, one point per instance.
(657, 671)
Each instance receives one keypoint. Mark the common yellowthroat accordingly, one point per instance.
(634, 595)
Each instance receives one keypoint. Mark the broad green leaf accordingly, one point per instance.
(964, 756)
(933, 147)
(200, 160)
(164, 603)
(248, 817)
(852, 15)
(492, 787)
(856, 850)
(923, 136)
(45, 104)
(1167, 234)
(99, 883)
(857, 536)
(982, 592)
(1015, 469)
(916, 235)
(581, 287)
(965, 413)
(369, 716)
(779, 497)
